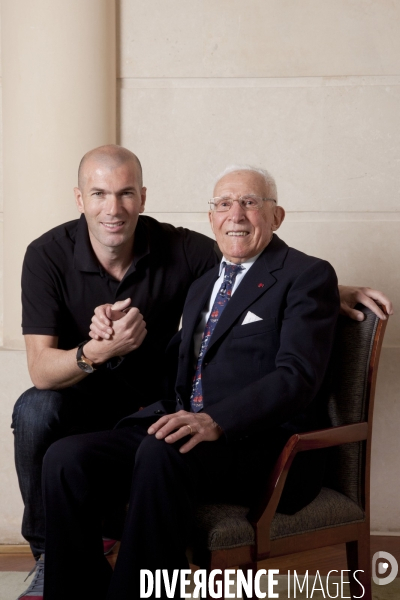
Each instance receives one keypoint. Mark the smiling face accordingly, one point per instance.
(242, 234)
(111, 197)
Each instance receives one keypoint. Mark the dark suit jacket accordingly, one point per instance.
(266, 373)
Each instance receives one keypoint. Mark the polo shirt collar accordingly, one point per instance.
(85, 258)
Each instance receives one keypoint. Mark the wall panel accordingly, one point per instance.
(259, 38)
(330, 147)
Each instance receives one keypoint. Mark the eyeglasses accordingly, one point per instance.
(250, 202)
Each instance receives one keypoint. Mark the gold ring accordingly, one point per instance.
(191, 430)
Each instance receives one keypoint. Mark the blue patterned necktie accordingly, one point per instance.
(221, 300)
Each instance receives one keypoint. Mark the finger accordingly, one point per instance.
(136, 322)
(372, 305)
(352, 313)
(94, 336)
(138, 328)
(119, 309)
(99, 326)
(121, 304)
(167, 429)
(101, 330)
(137, 332)
(134, 315)
(163, 420)
(173, 423)
(98, 334)
(158, 424)
(182, 432)
(101, 312)
(116, 315)
(379, 297)
(136, 335)
(194, 440)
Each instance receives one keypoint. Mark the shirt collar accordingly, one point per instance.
(245, 264)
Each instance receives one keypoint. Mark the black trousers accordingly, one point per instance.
(162, 486)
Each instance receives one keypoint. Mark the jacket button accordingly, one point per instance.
(158, 412)
(179, 401)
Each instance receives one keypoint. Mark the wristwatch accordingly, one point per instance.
(84, 363)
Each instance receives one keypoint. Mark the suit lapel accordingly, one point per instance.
(255, 283)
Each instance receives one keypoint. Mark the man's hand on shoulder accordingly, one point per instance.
(200, 426)
(352, 295)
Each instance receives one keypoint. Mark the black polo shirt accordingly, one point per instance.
(63, 282)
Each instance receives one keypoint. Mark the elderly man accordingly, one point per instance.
(256, 339)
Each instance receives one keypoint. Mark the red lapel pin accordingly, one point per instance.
(260, 285)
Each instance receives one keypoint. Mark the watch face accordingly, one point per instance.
(85, 367)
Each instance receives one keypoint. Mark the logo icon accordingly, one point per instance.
(383, 567)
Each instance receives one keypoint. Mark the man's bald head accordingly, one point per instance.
(111, 156)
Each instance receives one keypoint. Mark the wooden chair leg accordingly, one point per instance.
(359, 558)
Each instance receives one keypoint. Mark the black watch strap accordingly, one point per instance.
(79, 352)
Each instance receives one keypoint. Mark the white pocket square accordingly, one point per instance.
(250, 318)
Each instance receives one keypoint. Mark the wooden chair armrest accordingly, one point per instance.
(261, 515)
(333, 436)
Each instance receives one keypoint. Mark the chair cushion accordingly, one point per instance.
(222, 526)
(329, 509)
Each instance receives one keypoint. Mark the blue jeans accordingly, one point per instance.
(40, 418)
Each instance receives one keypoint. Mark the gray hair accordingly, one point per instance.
(269, 180)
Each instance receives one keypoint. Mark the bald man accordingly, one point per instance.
(108, 255)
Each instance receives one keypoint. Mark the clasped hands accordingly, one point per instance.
(120, 325)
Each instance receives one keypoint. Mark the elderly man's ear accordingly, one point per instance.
(279, 215)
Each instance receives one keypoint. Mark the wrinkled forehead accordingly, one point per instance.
(241, 183)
